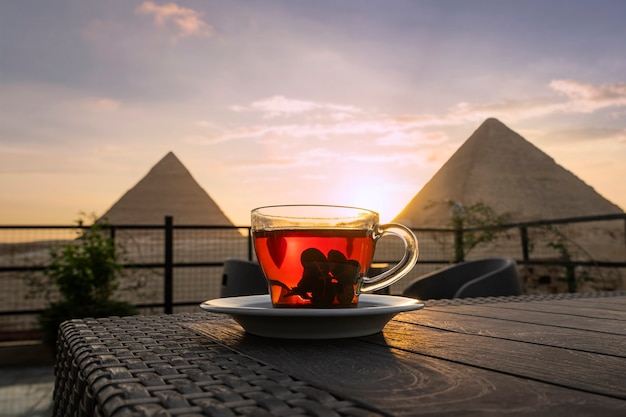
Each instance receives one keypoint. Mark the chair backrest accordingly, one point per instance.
(488, 277)
(242, 277)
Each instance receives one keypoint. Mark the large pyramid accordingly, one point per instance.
(501, 169)
(167, 190)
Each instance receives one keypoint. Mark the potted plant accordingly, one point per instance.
(86, 274)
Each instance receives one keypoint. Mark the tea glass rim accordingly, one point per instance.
(322, 216)
(332, 206)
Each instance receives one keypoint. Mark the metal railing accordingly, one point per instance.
(167, 250)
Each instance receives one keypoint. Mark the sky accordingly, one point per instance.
(352, 102)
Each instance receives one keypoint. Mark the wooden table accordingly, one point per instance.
(562, 355)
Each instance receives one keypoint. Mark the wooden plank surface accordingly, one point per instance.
(416, 370)
(584, 371)
(503, 311)
(557, 336)
(578, 309)
(598, 304)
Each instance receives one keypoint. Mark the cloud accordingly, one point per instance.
(407, 139)
(586, 98)
(589, 134)
(188, 21)
(320, 121)
(105, 104)
(573, 97)
(372, 137)
(579, 98)
(510, 109)
(324, 161)
(280, 106)
(382, 131)
(246, 132)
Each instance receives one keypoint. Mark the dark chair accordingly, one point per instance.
(242, 278)
(488, 277)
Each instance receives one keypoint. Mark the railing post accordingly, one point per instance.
(524, 235)
(459, 253)
(168, 287)
(250, 243)
(458, 214)
(571, 277)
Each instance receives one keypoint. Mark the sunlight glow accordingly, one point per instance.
(276, 105)
(374, 191)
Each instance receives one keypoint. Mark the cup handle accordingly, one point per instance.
(408, 261)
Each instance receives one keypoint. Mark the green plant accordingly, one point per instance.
(481, 224)
(563, 245)
(474, 224)
(86, 274)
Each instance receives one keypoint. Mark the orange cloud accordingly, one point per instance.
(106, 104)
(188, 21)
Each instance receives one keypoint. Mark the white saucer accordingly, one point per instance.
(257, 316)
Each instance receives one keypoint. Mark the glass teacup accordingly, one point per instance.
(317, 256)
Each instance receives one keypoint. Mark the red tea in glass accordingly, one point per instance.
(317, 268)
(317, 256)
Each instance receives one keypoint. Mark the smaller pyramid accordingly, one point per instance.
(501, 169)
(168, 189)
